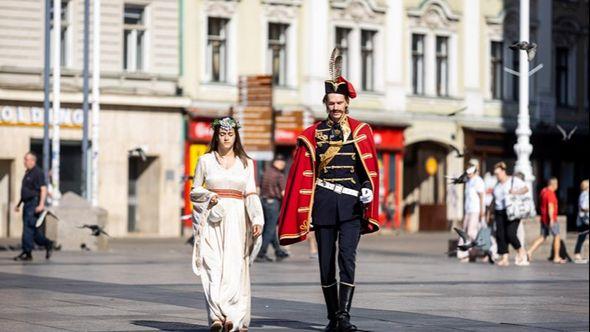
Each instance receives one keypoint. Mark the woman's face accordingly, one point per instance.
(227, 138)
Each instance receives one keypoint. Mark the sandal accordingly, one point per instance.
(217, 326)
(228, 325)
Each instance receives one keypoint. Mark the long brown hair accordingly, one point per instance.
(238, 147)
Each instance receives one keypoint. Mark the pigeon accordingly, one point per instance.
(96, 230)
(457, 111)
(530, 48)
(466, 243)
(460, 153)
(458, 180)
(566, 136)
(463, 177)
(138, 151)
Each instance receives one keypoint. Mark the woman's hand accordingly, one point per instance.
(256, 231)
(212, 202)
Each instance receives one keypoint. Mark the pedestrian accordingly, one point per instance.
(271, 192)
(549, 224)
(331, 186)
(227, 223)
(582, 223)
(506, 229)
(389, 209)
(33, 194)
(474, 207)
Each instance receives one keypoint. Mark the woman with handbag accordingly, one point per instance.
(506, 227)
(227, 223)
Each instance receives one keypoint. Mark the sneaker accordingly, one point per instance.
(281, 255)
(581, 261)
(263, 259)
(24, 256)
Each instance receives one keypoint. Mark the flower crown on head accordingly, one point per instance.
(226, 123)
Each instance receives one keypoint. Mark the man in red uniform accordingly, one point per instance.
(330, 191)
(549, 224)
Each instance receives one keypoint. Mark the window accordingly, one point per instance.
(65, 35)
(368, 59)
(442, 66)
(217, 49)
(561, 76)
(134, 38)
(496, 70)
(418, 64)
(277, 50)
(342, 42)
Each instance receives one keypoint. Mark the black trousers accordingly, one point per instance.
(581, 238)
(506, 232)
(32, 234)
(347, 235)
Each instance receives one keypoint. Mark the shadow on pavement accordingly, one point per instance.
(170, 326)
(285, 323)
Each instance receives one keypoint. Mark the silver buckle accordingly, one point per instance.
(338, 188)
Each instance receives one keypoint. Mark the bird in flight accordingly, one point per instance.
(529, 48)
(566, 136)
(96, 230)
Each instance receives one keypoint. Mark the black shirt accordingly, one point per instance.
(33, 180)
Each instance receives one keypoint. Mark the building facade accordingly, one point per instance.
(414, 62)
(140, 108)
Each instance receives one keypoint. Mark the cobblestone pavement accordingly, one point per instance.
(404, 283)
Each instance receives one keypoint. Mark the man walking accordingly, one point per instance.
(330, 191)
(33, 194)
(272, 190)
(549, 224)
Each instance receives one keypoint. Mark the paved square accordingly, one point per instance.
(404, 283)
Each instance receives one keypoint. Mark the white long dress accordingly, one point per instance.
(223, 240)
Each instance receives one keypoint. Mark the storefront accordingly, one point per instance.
(138, 189)
(552, 157)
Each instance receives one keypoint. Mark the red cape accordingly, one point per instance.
(295, 217)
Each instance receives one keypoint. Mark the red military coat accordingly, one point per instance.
(296, 210)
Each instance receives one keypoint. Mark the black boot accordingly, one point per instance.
(49, 249)
(346, 292)
(331, 298)
(24, 256)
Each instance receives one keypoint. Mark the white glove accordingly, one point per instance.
(366, 196)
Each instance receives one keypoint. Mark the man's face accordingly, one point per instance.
(29, 161)
(279, 164)
(500, 174)
(227, 138)
(554, 185)
(336, 106)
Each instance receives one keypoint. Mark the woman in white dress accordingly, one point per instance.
(227, 223)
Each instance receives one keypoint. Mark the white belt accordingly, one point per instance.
(337, 188)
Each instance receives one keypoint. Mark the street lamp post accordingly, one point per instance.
(523, 147)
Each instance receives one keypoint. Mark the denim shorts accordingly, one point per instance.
(547, 229)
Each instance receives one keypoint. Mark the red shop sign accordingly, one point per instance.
(388, 138)
(200, 131)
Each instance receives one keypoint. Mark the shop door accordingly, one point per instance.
(143, 198)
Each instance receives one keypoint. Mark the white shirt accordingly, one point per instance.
(473, 188)
(583, 203)
(501, 190)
